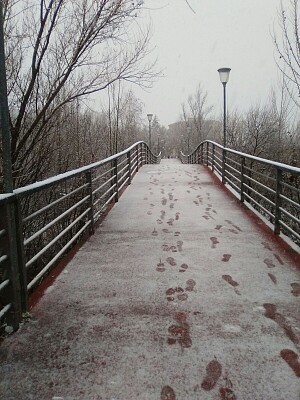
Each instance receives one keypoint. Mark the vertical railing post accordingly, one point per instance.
(278, 201)
(145, 154)
(224, 166)
(116, 181)
(14, 295)
(201, 154)
(213, 158)
(137, 157)
(129, 166)
(21, 259)
(89, 181)
(146, 151)
(207, 153)
(242, 179)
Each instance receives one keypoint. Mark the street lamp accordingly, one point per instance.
(158, 142)
(224, 76)
(149, 116)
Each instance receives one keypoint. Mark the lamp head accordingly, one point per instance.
(149, 116)
(224, 74)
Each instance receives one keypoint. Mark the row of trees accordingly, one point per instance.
(59, 52)
(79, 136)
(270, 130)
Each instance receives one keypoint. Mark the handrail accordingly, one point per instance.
(270, 187)
(71, 174)
(285, 167)
(40, 222)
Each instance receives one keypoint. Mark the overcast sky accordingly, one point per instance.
(191, 47)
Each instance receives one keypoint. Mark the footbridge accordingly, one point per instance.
(140, 278)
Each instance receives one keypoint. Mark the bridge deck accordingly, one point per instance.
(178, 295)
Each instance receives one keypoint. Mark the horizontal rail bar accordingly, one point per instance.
(233, 169)
(289, 229)
(259, 195)
(51, 243)
(54, 203)
(124, 183)
(54, 221)
(104, 205)
(123, 169)
(101, 187)
(123, 176)
(258, 205)
(233, 185)
(260, 184)
(290, 201)
(295, 219)
(3, 258)
(104, 194)
(233, 176)
(4, 284)
(5, 310)
(49, 265)
(294, 189)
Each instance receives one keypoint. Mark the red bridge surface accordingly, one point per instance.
(182, 293)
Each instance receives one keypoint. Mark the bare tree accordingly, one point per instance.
(195, 114)
(130, 119)
(260, 128)
(62, 50)
(124, 117)
(287, 45)
(190, 6)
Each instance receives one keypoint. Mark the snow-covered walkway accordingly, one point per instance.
(180, 294)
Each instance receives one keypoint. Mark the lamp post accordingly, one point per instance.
(224, 77)
(149, 116)
(158, 143)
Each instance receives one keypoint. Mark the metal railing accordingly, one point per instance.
(39, 223)
(271, 188)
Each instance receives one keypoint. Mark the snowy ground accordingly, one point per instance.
(178, 295)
